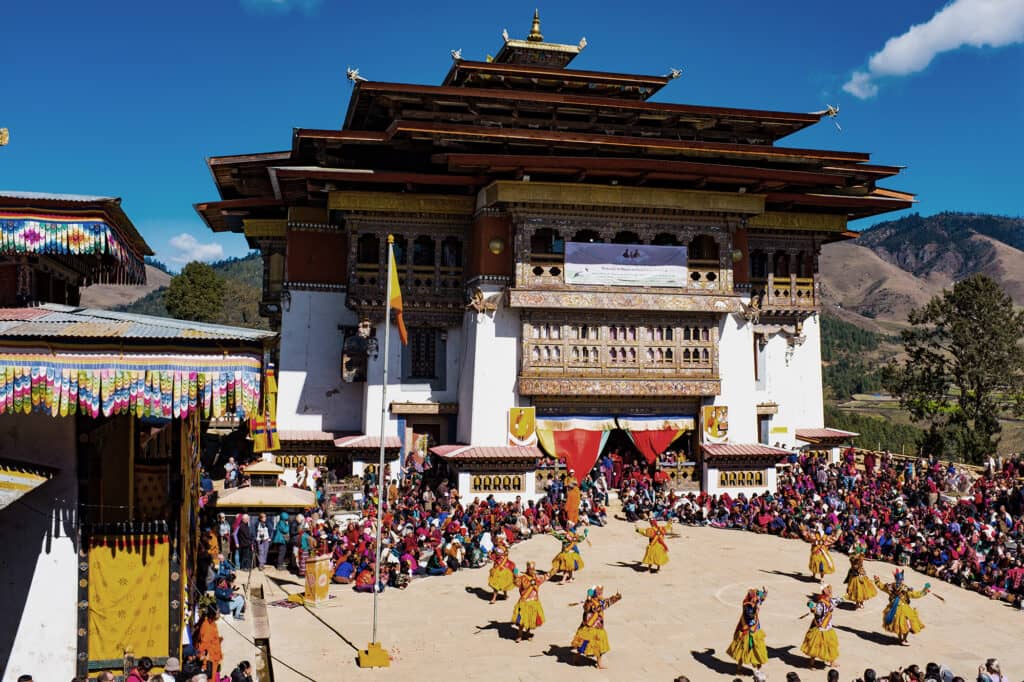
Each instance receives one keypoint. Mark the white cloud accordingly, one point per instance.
(189, 248)
(974, 23)
(281, 6)
(860, 85)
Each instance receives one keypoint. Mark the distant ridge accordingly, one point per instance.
(899, 264)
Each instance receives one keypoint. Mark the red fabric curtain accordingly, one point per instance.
(653, 443)
(580, 449)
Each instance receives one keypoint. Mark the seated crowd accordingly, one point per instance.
(939, 519)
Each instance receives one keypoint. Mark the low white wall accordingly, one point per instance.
(709, 483)
(39, 561)
(528, 493)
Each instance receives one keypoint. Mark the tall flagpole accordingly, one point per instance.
(383, 423)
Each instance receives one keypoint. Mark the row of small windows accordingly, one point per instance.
(620, 332)
(424, 251)
(549, 241)
(620, 355)
(780, 264)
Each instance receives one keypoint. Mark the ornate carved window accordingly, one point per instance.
(368, 251)
(422, 353)
(423, 251)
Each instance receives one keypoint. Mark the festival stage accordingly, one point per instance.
(678, 622)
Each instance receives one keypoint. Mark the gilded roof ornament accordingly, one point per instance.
(535, 34)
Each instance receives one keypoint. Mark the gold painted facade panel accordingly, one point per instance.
(374, 202)
(566, 194)
(598, 387)
(624, 300)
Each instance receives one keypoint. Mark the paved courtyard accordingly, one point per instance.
(678, 622)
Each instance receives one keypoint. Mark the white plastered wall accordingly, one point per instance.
(38, 567)
(410, 391)
(793, 382)
(311, 395)
(736, 369)
(487, 386)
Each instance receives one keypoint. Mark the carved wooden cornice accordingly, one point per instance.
(424, 408)
(781, 220)
(614, 300)
(398, 202)
(619, 387)
(615, 196)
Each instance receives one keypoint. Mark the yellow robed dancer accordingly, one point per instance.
(859, 587)
(502, 576)
(748, 647)
(821, 642)
(656, 555)
(900, 618)
(591, 638)
(528, 612)
(820, 562)
(568, 559)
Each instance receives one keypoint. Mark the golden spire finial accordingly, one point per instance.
(535, 35)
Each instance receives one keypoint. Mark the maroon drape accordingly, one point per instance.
(653, 443)
(580, 449)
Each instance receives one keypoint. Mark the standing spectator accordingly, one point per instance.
(281, 535)
(230, 473)
(208, 642)
(262, 540)
(244, 536)
(223, 534)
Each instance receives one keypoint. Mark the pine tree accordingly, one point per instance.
(964, 367)
(196, 294)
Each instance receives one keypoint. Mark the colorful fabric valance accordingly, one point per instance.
(158, 385)
(22, 233)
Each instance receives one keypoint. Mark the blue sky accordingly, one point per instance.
(129, 98)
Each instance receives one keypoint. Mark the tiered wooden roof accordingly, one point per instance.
(526, 114)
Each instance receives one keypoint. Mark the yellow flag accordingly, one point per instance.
(396, 294)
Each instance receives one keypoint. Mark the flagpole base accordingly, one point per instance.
(374, 656)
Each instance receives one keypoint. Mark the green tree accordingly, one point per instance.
(964, 367)
(197, 294)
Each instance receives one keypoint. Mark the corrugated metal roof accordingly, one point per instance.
(824, 434)
(306, 435)
(493, 452)
(49, 196)
(361, 441)
(744, 450)
(52, 319)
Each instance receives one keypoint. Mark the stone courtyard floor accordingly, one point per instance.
(677, 622)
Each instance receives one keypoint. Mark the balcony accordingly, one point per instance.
(619, 359)
(540, 283)
(785, 293)
(547, 271)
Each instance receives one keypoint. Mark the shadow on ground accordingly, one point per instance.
(504, 629)
(868, 636)
(795, 575)
(567, 655)
(708, 659)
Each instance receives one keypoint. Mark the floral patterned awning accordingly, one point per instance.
(146, 385)
(22, 233)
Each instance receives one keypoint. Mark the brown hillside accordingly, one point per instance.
(856, 279)
(112, 295)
